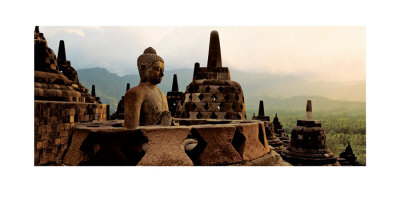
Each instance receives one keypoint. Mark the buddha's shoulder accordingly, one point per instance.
(136, 91)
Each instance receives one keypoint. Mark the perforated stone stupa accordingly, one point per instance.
(212, 94)
(308, 143)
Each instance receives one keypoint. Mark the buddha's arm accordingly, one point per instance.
(132, 104)
(165, 101)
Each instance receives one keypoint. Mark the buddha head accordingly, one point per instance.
(150, 66)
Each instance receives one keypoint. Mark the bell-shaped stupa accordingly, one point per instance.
(212, 94)
(308, 143)
(347, 158)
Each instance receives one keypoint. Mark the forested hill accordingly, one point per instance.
(279, 93)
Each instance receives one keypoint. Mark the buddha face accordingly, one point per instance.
(154, 73)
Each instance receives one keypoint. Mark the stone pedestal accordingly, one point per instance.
(165, 146)
(219, 142)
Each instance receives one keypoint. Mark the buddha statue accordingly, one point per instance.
(145, 104)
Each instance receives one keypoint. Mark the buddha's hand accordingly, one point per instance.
(166, 118)
(189, 144)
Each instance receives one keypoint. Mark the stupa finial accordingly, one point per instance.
(214, 51)
(261, 109)
(349, 150)
(61, 51)
(309, 110)
(93, 90)
(175, 84)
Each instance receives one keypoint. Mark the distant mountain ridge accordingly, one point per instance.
(278, 92)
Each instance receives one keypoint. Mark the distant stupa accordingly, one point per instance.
(308, 143)
(347, 158)
(269, 129)
(261, 116)
(119, 114)
(279, 132)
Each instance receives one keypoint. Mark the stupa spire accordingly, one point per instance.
(214, 51)
(61, 51)
(128, 86)
(309, 110)
(93, 91)
(261, 109)
(349, 150)
(175, 84)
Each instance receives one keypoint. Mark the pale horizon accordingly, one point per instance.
(316, 52)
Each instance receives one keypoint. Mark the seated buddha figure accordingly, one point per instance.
(145, 104)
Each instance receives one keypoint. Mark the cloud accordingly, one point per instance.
(324, 53)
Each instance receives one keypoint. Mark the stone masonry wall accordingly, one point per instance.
(53, 123)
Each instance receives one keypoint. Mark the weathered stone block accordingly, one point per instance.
(251, 148)
(64, 140)
(195, 97)
(205, 115)
(45, 144)
(165, 146)
(213, 107)
(44, 160)
(58, 127)
(51, 158)
(187, 97)
(71, 111)
(262, 135)
(193, 115)
(86, 118)
(63, 133)
(220, 115)
(39, 145)
(54, 149)
(200, 107)
(57, 141)
(218, 145)
(74, 154)
(102, 144)
(226, 107)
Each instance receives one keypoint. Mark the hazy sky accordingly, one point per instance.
(322, 53)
